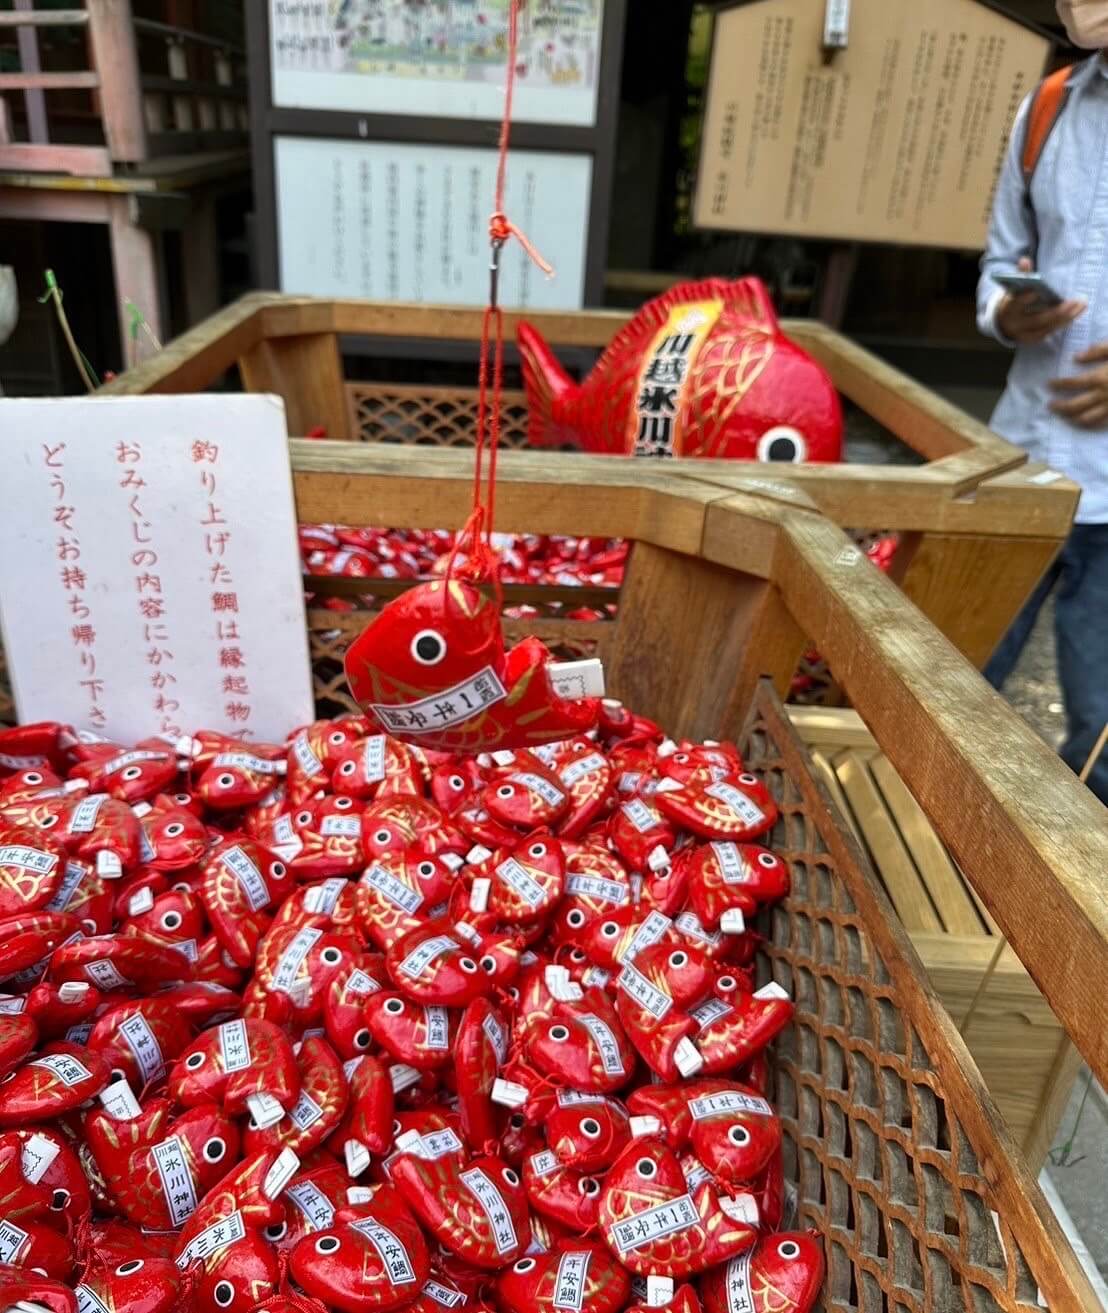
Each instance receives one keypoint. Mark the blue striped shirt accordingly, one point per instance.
(1064, 230)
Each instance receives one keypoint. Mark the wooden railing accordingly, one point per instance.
(157, 89)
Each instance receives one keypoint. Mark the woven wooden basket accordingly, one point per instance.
(898, 1155)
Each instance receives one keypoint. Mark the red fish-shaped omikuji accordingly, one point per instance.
(582, 1275)
(703, 370)
(782, 1274)
(432, 669)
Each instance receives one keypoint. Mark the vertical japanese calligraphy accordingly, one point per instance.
(393, 221)
(150, 579)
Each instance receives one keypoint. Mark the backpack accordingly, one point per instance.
(1047, 104)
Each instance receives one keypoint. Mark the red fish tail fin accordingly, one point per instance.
(548, 388)
(751, 297)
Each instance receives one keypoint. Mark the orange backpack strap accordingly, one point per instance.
(1046, 108)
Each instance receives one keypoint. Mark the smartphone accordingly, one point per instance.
(1020, 284)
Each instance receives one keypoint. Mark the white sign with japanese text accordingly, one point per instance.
(149, 570)
(400, 222)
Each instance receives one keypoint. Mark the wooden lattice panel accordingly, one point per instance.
(428, 416)
(880, 1140)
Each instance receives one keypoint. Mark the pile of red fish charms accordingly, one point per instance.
(345, 1024)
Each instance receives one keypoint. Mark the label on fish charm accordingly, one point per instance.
(88, 1301)
(396, 891)
(443, 1294)
(213, 1238)
(292, 959)
(605, 1041)
(361, 983)
(249, 877)
(341, 827)
(305, 1112)
(145, 1049)
(635, 985)
(655, 421)
(373, 759)
(712, 1105)
(695, 1174)
(177, 1182)
(640, 815)
(495, 1209)
(731, 865)
(577, 770)
(453, 706)
(67, 1069)
(247, 761)
(739, 1297)
(63, 895)
(654, 1224)
(710, 1010)
(394, 1257)
(436, 1022)
(689, 924)
(437, 1144)
(747, 812)
(323, 898)
(552, 796)
(83, 817)
(20, 763)
(595, 886)
(517, 879)
(27, 859)
(235, 1045)
(317, 1209)
(497, 1036)
(106, 975)
(419, 959)
(573, 1098)
(12, 1240)
(542, 1164)
(306, 759)
(569, 1287)
(652, 931)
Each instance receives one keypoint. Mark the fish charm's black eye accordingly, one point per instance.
(428, 647)
(783, 443)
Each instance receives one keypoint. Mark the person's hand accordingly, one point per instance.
(1083, 399)
(1024, 320)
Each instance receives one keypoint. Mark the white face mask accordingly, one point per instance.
(1086, 22)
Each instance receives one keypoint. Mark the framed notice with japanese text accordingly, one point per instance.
(149, 571)
(443, 59)
(899, 137)
(375, 125)
(395, 222)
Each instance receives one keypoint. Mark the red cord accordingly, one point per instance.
(501, 229)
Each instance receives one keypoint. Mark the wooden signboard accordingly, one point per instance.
(149, 570)
(898, 137)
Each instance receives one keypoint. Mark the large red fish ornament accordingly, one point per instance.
(431, 668)
(703, 370)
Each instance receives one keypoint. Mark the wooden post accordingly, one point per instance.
(307, 372)
(694, 638)
(972, 589)
(115, 58)
(33, 98)
(135, 257)
(200, 250)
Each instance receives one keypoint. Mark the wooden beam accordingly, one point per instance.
(86, 161)
(307, 373)
(1030, 838)
(44, 18)
(115, 56)
(49, 81)
(972, 588)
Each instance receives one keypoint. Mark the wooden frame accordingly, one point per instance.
(269, 121)
(979, 524)
(900, 1156)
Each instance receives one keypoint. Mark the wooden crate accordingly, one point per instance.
(900, 1157)
(979, 525)
(1023, 1053)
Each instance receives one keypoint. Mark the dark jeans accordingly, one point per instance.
(1080, 576)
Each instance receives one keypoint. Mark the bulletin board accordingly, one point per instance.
(374, 130)
(898, 138)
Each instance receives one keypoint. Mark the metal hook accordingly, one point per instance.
(494, 271)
